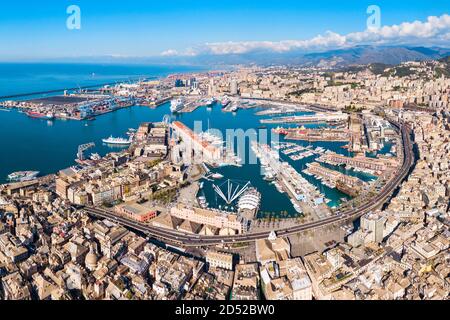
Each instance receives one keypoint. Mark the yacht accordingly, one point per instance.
(203, 202)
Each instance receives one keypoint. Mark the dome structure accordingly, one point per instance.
(91, 260)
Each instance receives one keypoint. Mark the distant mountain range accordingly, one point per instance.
(360, 55)
(371, 54)
(391, 55)
(341, 57)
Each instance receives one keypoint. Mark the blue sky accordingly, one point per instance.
(35, 30)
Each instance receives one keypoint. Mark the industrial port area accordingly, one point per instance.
(155, 196)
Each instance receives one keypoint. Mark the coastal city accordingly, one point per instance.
(157, 219)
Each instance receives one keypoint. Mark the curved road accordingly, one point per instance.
(191, 240)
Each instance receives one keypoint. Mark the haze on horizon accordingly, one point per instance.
(143, 28)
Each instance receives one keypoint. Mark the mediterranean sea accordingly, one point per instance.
(24, 78)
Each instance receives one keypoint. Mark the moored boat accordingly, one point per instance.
(22, 176)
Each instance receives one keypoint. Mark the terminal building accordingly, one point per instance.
(359, 162)
(198, 148)
(202, 221)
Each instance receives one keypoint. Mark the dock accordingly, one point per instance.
(335, 117)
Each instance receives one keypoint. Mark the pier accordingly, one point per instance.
(335, 179)
(37, 93)
(370, 165)
(314, 135)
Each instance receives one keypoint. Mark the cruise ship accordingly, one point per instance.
(209, 102)
(176, 105)
(118, 141)
(23, 176)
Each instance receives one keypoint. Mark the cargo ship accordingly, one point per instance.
(22, 176)
(40, 115)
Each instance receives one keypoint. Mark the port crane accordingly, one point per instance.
(83, 148)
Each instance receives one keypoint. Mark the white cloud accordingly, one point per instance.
(435, 30)
(170, 53)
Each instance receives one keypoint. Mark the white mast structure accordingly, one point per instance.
(232, 193)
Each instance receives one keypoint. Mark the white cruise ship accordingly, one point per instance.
(118, 141)
(23, 176)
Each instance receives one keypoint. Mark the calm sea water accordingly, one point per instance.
(23, 78)
(48, 146)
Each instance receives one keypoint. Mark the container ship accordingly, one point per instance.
(40, 115)
(22, 176)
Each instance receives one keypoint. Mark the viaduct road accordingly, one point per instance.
(192, 240)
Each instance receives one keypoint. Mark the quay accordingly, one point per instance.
(336, 180)
(282, 109)
(314, 135)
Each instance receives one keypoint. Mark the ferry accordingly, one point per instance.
(40, 115)
(22, 176)
(203, 202)
(176, 105)
(118, 141)
(225, 102)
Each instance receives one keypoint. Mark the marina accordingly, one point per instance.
(304, 196)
